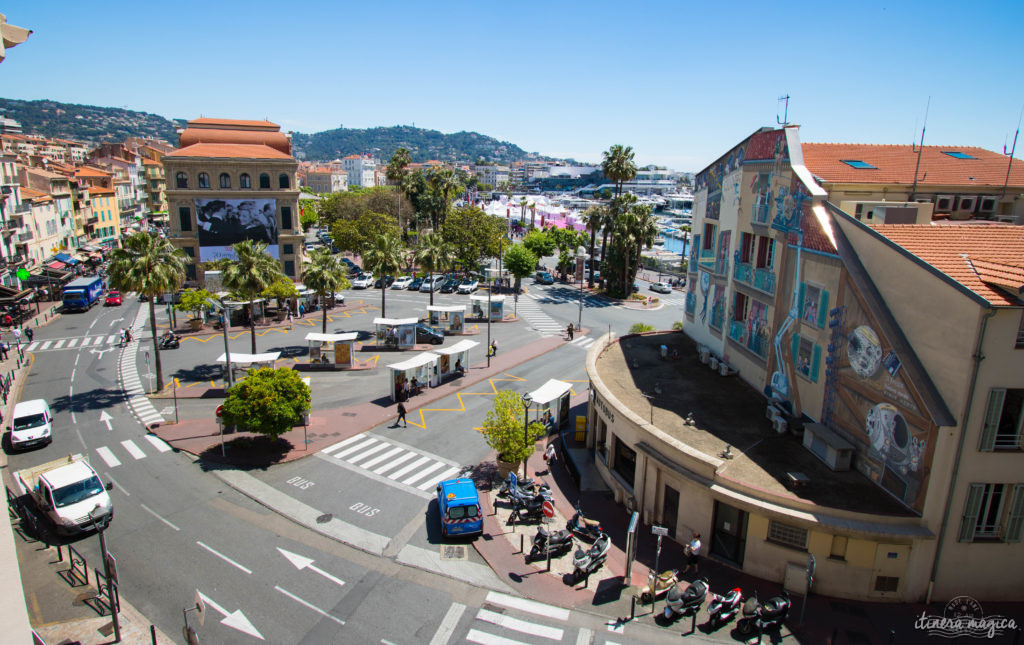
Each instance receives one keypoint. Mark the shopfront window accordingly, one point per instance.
(625, 461)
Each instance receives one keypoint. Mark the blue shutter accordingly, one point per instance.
(823, 309)
(801, 306)
(971, 510)
(814, 363)
(796, 349)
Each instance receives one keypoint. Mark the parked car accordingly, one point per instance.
(402, 282)
(450, 285)
(543, 277)
(427, 334)
(388, 279)
(415, 284)
(433, 283)
(355, 269)
(363, 281)
(339, 298)
(113, 299)
(661, 287)
(469, 285)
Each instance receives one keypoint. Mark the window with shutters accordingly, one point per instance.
(181, 180)
(1004, 418)
(225, 180)
(282, 181)
(813, 304)
(264, 180)
(808, 357)
(993, 512)
(286, 217)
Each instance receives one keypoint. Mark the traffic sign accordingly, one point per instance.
(548, 508)
(219, 411)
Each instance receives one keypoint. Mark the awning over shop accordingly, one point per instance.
(56, 265)
(11, 296)
(419, 360)
(247, 359)
(395, 322)
(91, 248)
(314, 337)
(460, 346)
(550, 391)
(66, 259)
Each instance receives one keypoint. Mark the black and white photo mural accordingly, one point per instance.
(223, 222)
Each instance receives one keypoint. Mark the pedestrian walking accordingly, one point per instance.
(17, 335)
(569, 331)
(401, 415)
(494, 347)
(3, 351)
(693, 554)
(301, 310)
(549, 454)
(289, 319)
(121, 337)
(29, 333)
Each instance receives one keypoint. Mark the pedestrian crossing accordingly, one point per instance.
(494, 624)
(76, 342)
(128, 451)
(582, 342)
(137, 401)
(529, 310)
(675, 302)
(397, 463)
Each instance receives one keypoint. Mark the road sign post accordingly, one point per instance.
(661, 532)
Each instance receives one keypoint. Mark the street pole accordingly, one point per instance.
(227, 349)
(527, 401)
(106, 574)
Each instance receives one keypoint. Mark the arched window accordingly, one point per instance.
(181, 180)
(282, 181)
(244, 181)
(264, 180)
(225, 180)
(204, 180)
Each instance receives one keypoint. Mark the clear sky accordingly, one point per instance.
(680, 82)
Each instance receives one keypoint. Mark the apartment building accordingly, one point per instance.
(324, 179)
(39, 235)
(58, 187)
(493, 175)
(360, 170)
(103, 226)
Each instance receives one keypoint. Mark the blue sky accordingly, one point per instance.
(680, 82)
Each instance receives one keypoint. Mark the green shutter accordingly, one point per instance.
(1015, 525)
(814, 363)
(823, 309)
(801, 306)
(971, 509)
(796, 350)
(993, 411)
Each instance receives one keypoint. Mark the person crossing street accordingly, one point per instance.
(401, 415)
(569, 331)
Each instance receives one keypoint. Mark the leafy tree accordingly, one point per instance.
(268, 401)
(505, 429)
(434, 255)
(567, 241)
(444, 183)
(634, 229)
(194, 301)
(400, 160)
(677, 325)
(384, 256)
(356, 235)
(281, 289)
(540, 243)
(249, 274)
(324, 274)
(151, 266)
(309, 214)
(473, 234)
(520, 262)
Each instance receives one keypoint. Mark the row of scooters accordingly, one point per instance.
(757, 616)
(527, 498)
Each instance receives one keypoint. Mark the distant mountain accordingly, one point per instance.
(94, 124)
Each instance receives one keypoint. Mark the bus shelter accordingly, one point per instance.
(331, 350)
(245, 362)
(413, 374)
(450, 318)
(551, 403)
(454, 360)
(482, 303)
(395, 333)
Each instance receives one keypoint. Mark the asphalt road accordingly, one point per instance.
(179, 529)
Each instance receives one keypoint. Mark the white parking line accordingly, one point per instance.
(225, 558)
(157, 516)
(311, 606)
(448, 623)
(108, 457)
(531, 606)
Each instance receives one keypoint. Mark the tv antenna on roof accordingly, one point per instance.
(920, 149)
(785, 116)
(1013, 149)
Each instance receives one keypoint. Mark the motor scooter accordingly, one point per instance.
(686, 602)
(658, 585)
(765, 615)
(528, 508)
(169, 342)
(587, 562)
(722, 609)
(545, 542)
(524, 488)
(584, 529)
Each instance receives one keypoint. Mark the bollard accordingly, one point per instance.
(520, 542)
(152, 633)
(632, 607)
(549, 559)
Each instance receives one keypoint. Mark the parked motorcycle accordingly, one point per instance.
(169, 342)
(584, 529)
(722, 609)
(764, 615)
(587, 562)
(545, 542)
(686, 602)
(658, 585)
(523, 489)
(531, 508)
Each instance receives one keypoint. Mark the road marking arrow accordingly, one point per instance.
(115, 321)
(235, 619)
(105, 418)
(302, 562)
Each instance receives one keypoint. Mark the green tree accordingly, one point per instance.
(309, 215)
(567, 241)
(324, 274)
(384, 256)
(520, 262)
(444, 183)
(249, 274)
(280, 290)
(619, 167)
(506, 431)
(151, 266)
(400, 160)
(473, 234)
(268, 401)
(194, 301)
(356, 235)
(634, 229)
(540, 243)
(434, 255)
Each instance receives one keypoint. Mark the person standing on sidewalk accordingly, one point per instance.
(3, 351)
(401, 415)
(17, 334)
(494, 347)
(693, 554)
(29, 333)
(569, 331)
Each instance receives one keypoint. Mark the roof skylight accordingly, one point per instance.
(956, 154)
(857, 163)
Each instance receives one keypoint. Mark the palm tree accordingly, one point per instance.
(324, 275)
(618, 166)
(444, 183)
(400, 160)
(383, 256)
(644, 233)
(249, 274)
(434, 255)
(151, 266)
(594, 218)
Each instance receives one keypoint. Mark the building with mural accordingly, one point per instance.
(870, 396)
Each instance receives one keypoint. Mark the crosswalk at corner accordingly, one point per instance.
(530, 311)
(392, 463)
(582, 342)
(131, 383)
(505, 619)
(113, 454)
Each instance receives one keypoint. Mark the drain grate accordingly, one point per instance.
(325, 518)
(454, 552)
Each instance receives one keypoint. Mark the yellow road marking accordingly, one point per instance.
(462, 404)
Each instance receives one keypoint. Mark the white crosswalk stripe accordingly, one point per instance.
(77, 342)
(531, 312)
(398, 463)
(108, 457)
(583, 342)
(506, 627)
(133, 450)
(158, 443)
(129, 376)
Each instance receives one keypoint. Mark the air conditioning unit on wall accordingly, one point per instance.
(967, 204)
(780, 425)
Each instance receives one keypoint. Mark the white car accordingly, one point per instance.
(433, 283)
(661, 287)
(468, 286)
(32, 424)
(339, 298)
(363, 281)
(402, 282)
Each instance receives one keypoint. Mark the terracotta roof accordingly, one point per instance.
(234, 122)
(100, 190)
(35, 196)
(277, 140)
(149, 162)
(229, 150)
(985, 258)
(86, 171)
(815, 237)
(895, 165)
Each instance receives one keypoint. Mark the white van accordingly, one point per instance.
(432, 283)
(31, 425)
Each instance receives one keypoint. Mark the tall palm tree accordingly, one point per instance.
(444, 183)
(434, 255)
(644, 234)
(400, 160)
(619, 167)
(324, 274)
(151, 266)
(383, 256)
(594, 218)
(249, 274)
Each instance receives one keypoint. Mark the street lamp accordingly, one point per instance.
(227, 350)
(527, 402)
(106, 571)
(581, 257)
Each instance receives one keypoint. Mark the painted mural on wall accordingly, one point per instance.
(712, 178)
(878, 409)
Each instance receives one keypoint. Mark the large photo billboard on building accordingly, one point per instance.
(223, 222)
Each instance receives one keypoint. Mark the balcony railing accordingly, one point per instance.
(25, 235)
(762, 214)
(764, 280)
(743, 272)
(707, 258)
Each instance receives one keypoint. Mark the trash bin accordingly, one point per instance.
(664, 351)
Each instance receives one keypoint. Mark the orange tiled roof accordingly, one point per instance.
(229, 150)
(895, 164)
(35, 196)
(87, 171)
(234, 122)
(149, 162)
(988, 259)
(100, 190)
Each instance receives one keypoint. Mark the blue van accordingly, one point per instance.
(459, 505)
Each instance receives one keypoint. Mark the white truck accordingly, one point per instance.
(69, 492)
